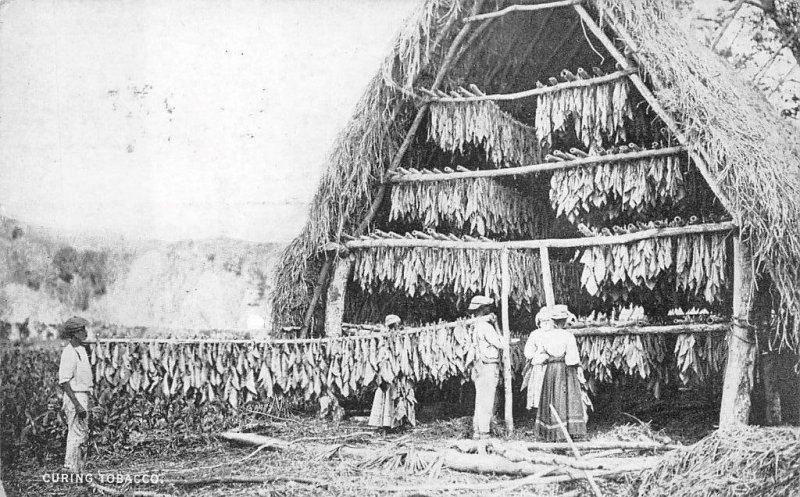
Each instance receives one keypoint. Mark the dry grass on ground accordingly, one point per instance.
(309, 457)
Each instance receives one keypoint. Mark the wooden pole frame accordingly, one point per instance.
(593, 160)
(578, 332)
(740, 365)
(666, 329)
(505, 290)
(568, 85)
(335, 298)
(590, 241)
(637, 81)
(398, 157)
(523, 8)
(547, 276)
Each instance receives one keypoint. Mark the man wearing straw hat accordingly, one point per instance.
(486, 372)
(75, 379)
(382, 414)
(561, 398)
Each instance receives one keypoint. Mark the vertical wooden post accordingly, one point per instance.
(505, 289)
(547, 276)
(337, 290)
(740, 367)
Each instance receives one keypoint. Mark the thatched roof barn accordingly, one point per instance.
(538, 91)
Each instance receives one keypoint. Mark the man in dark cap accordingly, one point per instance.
(75, 378)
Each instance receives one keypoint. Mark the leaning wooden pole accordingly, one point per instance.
(740, 366)
(398, 157)
(505, 289)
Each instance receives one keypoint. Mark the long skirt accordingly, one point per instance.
(562, 390)
(383, 412)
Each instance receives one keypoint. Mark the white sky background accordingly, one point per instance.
(177, 119)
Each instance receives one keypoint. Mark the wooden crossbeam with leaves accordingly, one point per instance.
(589, 241)
(563, 161)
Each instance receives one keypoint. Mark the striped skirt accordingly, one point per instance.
(562, 390)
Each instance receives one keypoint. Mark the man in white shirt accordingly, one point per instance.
(75, 379)
(486, 372)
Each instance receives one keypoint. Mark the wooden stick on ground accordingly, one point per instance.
(564, 430)
(216, 480)
(550, 446)
(127, 493)
(528, 480)
(254, 439)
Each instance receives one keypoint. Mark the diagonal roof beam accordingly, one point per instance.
(651, 99)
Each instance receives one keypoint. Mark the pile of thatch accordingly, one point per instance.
(745, 461)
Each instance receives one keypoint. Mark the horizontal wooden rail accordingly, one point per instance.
(673, 329)
(523, 8)
(535, 168)
(579, 83)
(591, 241)
(403, 331)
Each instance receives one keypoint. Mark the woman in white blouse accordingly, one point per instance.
(554, 379)
(75, 379)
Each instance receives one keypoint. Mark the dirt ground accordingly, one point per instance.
(319, 470)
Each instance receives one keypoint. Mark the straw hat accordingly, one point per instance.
(391, 319)
(558, 311)
(479, 301)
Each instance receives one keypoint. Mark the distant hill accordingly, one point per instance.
(209, 284)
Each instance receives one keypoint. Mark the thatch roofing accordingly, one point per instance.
(754, 155)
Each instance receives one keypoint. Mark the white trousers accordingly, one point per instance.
(486, 376)
(78, 434)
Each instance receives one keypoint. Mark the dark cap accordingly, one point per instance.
(74, 325)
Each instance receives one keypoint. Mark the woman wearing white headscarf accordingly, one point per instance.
(557, 349)
(534, 353)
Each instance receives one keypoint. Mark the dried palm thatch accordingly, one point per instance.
(745, 461)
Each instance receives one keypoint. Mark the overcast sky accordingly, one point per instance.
(179, 119)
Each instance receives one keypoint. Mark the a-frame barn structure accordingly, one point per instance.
(580, 152)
